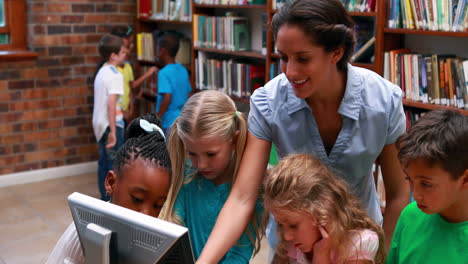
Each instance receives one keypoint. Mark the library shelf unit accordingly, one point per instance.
(394, 38)
(253, 55)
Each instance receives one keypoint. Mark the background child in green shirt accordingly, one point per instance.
(434, 156)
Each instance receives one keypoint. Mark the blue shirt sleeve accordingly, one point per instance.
(259, 112)
(164, 83)
(397, 118)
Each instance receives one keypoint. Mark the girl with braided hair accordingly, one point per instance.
(346, 116)
(140, 180)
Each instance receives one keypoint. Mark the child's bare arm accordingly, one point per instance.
(166, 100)
(396, 190)
(111, 102)
(136, 83)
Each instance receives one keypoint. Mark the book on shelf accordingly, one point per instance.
(365, 40)
(432, 78)
(174, 10)
(235, 78)
(443, 15)
(228, 32)
(359, 5)
(144, 8)
(366, 51)
(147, 47)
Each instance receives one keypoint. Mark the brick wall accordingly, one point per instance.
(46, 103)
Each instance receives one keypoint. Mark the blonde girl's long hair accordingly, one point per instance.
(206, 114)
(301, 183)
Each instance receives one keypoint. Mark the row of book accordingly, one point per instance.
(359, 5)
(434, 78)
(230, 2)
(444, 15)
(231, 77)
(228, 32)
(177, 10)
(412, 116)
(146, 47)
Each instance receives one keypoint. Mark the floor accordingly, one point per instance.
(33, 216)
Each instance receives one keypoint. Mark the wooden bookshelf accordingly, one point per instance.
(386, 39)
(229, 6)
(420, 105)
(163, 21)
(363, 14)
(249, 54)
(394, 38)
(425, 32)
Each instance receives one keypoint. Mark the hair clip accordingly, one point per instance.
(149, 128)
(129, 31)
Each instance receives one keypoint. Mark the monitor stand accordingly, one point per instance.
(97, 243)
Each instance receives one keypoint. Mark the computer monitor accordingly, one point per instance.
(113, 234)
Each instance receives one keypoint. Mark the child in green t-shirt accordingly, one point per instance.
(434, 156)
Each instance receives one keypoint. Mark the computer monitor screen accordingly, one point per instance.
(113, 234)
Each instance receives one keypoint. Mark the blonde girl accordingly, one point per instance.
(319, 220)
(206, 144)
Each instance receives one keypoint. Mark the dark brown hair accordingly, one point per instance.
(109, 44)
(325, 21)
(440, 137)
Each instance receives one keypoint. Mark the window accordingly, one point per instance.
(12, 25)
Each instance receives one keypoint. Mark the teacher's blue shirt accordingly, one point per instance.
(373, 117)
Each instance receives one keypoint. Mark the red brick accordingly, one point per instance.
(59, 72)
(58, 8)
(35, 115)
(67, 132)
(6, 128)
(87, 149)
(85, 50)
(68, 112)
(48, 83)
(12, 139)
(73, 39)
(66, 61)
(121, 19)
(72, 19)
(131, 8)
(71, 101)
(46, 40)
(35, 94)
(10, 117)
(95, 19)
(84, 70)
(39, 155)
(51, 144)
(56, 123)
(74, 82)
(40, 135)
(26, 167)
(3, 85)
(45, 19)
(60, 92)
(34, 73)
(37, 7)
(21, 84)
(94, 39)
(93, 59)
(25, 127)
(10, 160)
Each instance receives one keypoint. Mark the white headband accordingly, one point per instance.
(149, 127)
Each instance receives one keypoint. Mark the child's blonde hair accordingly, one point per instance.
(301, 183)
(206, 114)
